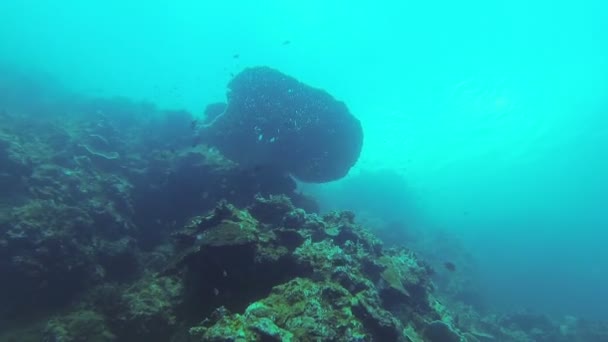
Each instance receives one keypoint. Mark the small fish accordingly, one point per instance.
(286, 42)
(224, 273)
(194, 123)
(449, 266)
(216, 291)
(236, 56)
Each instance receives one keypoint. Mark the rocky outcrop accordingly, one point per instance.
(273, 120)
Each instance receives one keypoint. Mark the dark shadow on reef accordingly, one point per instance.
(114, 227)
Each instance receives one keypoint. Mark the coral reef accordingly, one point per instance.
(82, 325)
(116, 225)
(310, 278)
(72, 217)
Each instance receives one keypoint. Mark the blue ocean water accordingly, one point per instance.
(494, 113)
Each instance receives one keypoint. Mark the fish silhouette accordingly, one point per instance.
(449, 266)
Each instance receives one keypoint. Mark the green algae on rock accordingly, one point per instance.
(148, 309)
(297, 310)
(331, 289)
(80, 325)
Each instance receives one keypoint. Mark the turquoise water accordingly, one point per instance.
(495, 112)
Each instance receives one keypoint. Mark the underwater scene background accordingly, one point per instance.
(485, 133)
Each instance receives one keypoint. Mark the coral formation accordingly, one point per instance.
(175, 242)
(326, 283)
(272, 119)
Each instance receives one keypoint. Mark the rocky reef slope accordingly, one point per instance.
(114, 226)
